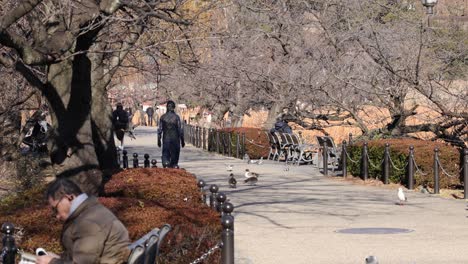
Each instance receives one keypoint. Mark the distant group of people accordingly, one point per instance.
(170, 133)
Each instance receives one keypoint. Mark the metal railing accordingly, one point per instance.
(227, 143)
(218, 201)
(410, 168)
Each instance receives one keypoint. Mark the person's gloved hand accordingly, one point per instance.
(159, 142)
(182, 143)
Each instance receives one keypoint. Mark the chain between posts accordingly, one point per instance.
(252, 142)
(395, 167)
(419, 170)
(210, 252)
(353, 161)
(372, 164)
(444, 171)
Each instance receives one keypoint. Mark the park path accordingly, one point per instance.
(293, 216)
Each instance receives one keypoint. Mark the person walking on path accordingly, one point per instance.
(150, 113)
(120, 122)
(172, 135)
(91, 233)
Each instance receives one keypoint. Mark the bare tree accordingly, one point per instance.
(69, 51)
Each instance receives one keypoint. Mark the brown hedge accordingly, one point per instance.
(256, 143)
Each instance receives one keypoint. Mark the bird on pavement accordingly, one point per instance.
(247, 158)
(401, 196)
(251, 180)
(260, 161)
(372, 260)
(229, 167)
(424, 189)
(249, 174)
(251, 177)
(232, 181)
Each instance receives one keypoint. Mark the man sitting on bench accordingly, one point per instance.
(91, 232)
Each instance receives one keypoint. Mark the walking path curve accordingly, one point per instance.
(293, 216)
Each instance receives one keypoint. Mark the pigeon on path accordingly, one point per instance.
(401, 196)
(260, 161)
(372, 260)
(249, 173)
(251, 177)
(247, 158)
(232, 181)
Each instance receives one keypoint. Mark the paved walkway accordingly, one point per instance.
(293, 216)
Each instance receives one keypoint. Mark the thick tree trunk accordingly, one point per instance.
(101, 119)
(72, 149)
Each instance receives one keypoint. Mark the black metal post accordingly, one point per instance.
(119, 158)
(364, 163)
(227, 238)
(436, 171)
(146, 163)
(465, 172)
(227, 208)
(217, 141)
(343, 159)
(201, 184)
(410, 171)
(325, 159)
(243, 144)
(386, 164)
(203, 138)
(350, 140)
(154, 163)
(9, 249)
(213, 189)
(135, 160)
(237, 144)
(125, 160)
(229, 141)
(223, 139)
(221, 198)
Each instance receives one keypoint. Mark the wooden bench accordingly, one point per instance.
(146, 249)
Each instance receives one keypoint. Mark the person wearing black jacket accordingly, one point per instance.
(281, 126)
(150, 113)
(172, 135)
(120, 122)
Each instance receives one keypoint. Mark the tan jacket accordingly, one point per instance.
(93, 234)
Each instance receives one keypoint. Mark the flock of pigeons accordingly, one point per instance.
(251, 178)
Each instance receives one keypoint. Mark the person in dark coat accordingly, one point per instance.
(150, 113)
(120, 122)
(91, 233)
(172, 135)
(281, 126)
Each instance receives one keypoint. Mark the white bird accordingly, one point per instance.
(232, 181)
(401, 196)
(372, 260)
(260, 161)
(249, 174)
(247, 158)
(229, 167)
